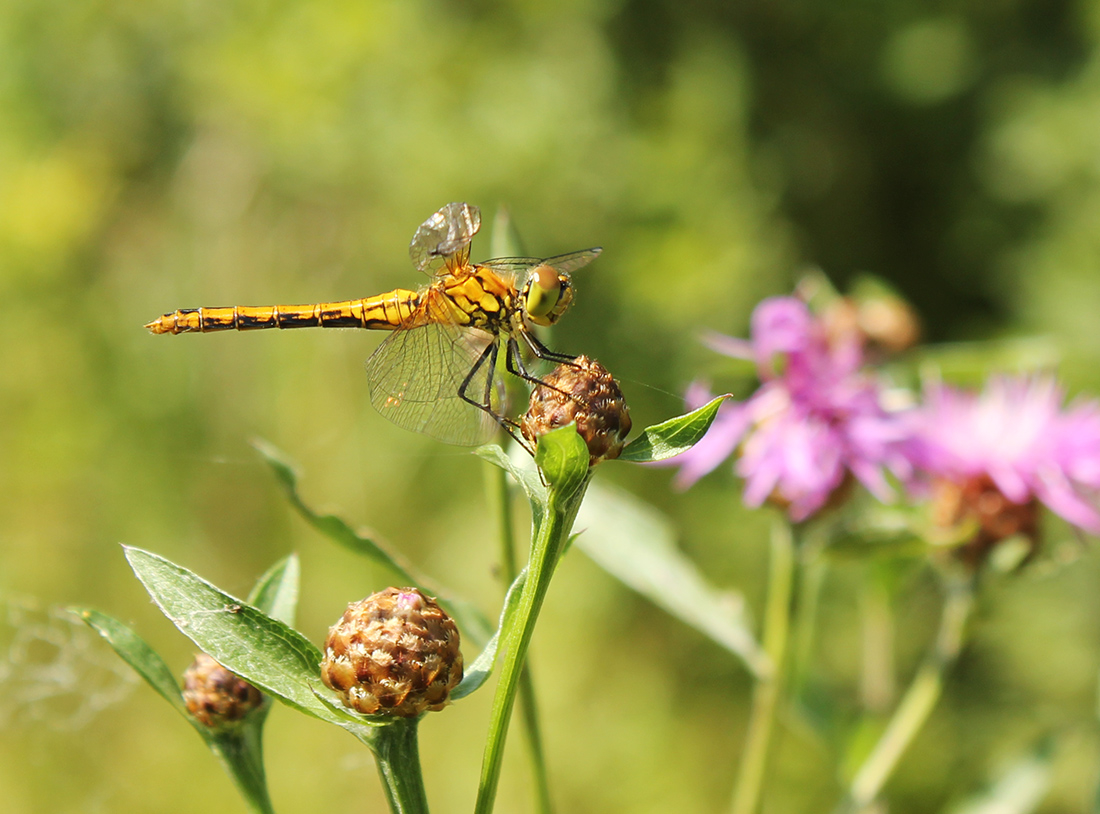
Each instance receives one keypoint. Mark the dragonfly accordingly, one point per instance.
(437, 372)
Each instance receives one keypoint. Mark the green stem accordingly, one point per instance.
(501, 497)
(551, 535)
(877, 688)
(812, 569)
(765, 697)
(398, 756)
(500, 502)
(918, 702)
(529, 710)
(241, 752)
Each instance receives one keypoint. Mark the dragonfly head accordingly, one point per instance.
(547, 294)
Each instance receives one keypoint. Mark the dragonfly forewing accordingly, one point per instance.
(563, 262)
(418, 376)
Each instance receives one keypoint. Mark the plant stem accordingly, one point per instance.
(398, 756)
(550, 538)
(241, 752)
(765, 697)
(877, 690)
(500, 502)
(919, 699)
(812, 569)
(529, 710)
(500, 496)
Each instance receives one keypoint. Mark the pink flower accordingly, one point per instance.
(1016, 434)
(816, 418)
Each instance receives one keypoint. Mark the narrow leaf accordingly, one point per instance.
(481, 668)
(504, 241)
(239, 749)
(473, 623)
(527, 477)
(241, 753)
(1020, 786)
(635, 543)
(276, 592)
(969, 363)
(674, 436)
(264, 651)
(139, 655)
(329, 525)
(563, 457)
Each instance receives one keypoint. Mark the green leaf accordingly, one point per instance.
(562, 457)
(276, 592)
(240, 751)
(969, 363)
(481, 668)
(139, 655)
(504, 241)
(274, 657)
(674, 436)
(473, 623)
(874, 530)
(331, 526)
(1019, 787)
(636, 544)
(527, 477)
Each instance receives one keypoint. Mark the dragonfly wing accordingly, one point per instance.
(573, 260)
(447, 232)
(563, 262)
(415, 376)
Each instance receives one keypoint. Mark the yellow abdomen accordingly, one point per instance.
(385, 312)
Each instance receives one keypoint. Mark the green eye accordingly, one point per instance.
(543, 292)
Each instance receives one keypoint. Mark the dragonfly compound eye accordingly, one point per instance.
(547, 295)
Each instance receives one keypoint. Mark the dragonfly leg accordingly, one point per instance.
(516, 367)
(540, 351)
(488, 358)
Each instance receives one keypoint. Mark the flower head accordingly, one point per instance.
(394, 653)
(1015, 437)
(216, 697)
(816, 419)
(581, 392)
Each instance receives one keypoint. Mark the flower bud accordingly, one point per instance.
(584, 393)
(993, 517)
(884, 324)
(394, 653)
(215, 696)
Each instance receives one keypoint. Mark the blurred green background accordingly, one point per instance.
(175, 153)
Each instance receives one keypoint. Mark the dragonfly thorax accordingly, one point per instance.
(482, 299)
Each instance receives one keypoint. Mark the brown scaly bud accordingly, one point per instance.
(393, 653)
(584, 393)
(215, 696)
(884, 324)
(995, 517)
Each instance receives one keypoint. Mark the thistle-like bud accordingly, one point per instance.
(394, 653)
(994, 517)
(584, 393)
(215, 696)
(884, 324)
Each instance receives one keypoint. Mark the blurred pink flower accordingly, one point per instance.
(816, 418)
(1016, 434)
